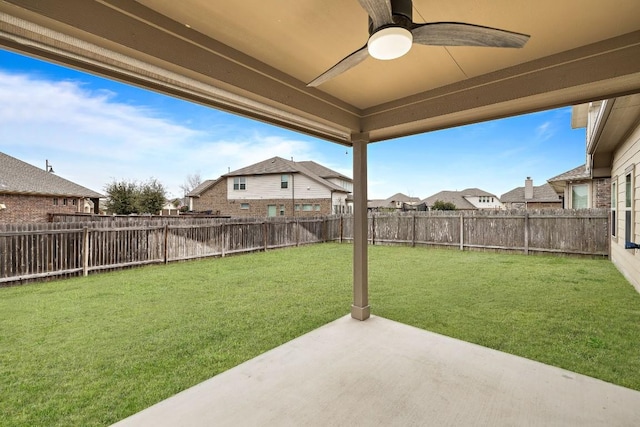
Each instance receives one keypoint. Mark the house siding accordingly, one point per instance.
(30, 209)
(268, 187)
(627, 155)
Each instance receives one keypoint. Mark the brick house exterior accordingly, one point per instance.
(577, 182)
(274, 187)
(29, 194)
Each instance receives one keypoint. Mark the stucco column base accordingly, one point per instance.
(360, 313)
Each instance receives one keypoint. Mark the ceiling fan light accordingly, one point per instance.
(390, 43)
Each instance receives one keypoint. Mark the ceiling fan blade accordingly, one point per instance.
(379, 11)
(460, 34)
(350, 61)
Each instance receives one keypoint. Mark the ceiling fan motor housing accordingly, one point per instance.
(401, 13)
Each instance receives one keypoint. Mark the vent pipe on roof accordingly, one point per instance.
(528, 188)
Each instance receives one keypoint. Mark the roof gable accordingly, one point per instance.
(19, 177)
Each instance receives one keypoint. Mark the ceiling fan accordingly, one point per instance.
(392, 32)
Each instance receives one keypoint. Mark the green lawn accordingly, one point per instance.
(90, 351)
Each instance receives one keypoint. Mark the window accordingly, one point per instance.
(316, 208)
(579, 196)
(74, 202)
(55, 201)
(244, 205)
(64, 202)
(271, 210)
(297, 207)
(284, 181)
(628, 205)
(306, 207)
(614, 206)
(240, 183)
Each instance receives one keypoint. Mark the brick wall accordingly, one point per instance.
(23, 208)
(601, 193)
(215, 200)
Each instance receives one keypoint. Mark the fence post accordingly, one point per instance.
(324, 229)
(373, 229)
(526, 233)
(265, 230)
(166, 243)
(413, 232)
(223, 238)
(297, 225)
(341, 229)
(461, 232)
(85, 251)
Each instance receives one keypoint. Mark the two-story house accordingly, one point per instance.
(275, 187)
(613, 152)
(30, 194)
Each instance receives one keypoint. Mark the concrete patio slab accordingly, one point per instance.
(383, 373)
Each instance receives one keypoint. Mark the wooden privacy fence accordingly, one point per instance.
(34, 251)
(571, 232)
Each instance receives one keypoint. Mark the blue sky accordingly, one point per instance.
(94, 131)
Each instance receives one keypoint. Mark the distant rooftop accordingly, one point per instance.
(18, 177)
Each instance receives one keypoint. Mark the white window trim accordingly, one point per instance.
(615, 196)
(577, 184)
(630, 172)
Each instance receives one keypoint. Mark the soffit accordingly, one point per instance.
(623, 119)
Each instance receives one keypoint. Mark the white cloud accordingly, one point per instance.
(92, 139)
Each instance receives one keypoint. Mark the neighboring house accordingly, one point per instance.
(530, 197)
(613, 151)
(397, 202)
(468, 199)
(29, 194)
(171, 207)
(579, 190)
(275, 187)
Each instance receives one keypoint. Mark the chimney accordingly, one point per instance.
(528, 188)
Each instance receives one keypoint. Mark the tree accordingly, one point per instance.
(152, 197)
(439, 205)
(122, 197)
(129, 197)
(191, 182)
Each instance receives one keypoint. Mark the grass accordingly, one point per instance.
(91, 351)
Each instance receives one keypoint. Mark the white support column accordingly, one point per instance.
(360, 308)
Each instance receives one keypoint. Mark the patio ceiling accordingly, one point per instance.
(256, 57)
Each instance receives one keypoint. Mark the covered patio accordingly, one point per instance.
(384, 373)
(256, 59)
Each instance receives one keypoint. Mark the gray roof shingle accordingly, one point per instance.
(541, 193)
(577, 173)
(18, 177)
(455, 197)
